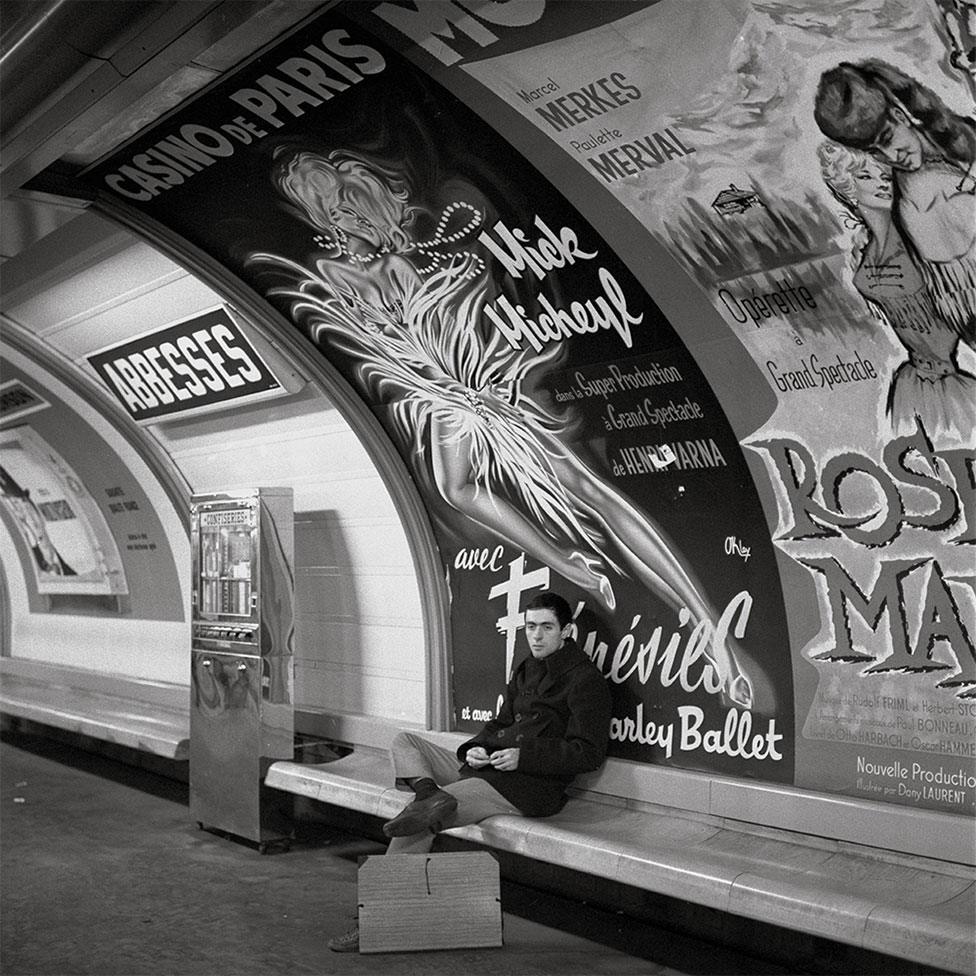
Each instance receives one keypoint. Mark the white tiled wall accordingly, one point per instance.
(359, 639)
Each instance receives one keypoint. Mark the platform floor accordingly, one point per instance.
(102, 872)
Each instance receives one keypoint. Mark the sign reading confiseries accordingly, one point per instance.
(200, 362)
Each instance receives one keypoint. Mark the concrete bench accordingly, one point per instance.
(910, 907)
(148, 716)
(913, 906)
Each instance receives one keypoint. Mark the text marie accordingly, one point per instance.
(553, 323)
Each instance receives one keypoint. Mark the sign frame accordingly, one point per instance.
(272, 366)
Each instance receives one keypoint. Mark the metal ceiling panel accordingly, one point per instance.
(242, 27)
(80, 77)
(49, 48)
(103, 89)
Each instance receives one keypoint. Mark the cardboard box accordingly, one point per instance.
(414, 902)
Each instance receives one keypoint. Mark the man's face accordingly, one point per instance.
(543, 632)
(898, 144)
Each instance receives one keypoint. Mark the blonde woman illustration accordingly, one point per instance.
(930, 385)
(877, 108)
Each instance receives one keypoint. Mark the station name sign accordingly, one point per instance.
(200, 362)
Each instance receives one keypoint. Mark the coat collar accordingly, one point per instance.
(561, 661)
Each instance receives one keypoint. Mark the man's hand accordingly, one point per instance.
(477, 758)
(505, 760)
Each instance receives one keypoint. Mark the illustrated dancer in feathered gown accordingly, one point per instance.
(409, 313)
(930, 385)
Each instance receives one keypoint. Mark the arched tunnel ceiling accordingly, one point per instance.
(78, 77)
(132, 63)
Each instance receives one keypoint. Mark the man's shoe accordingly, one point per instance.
(347, 942)
(421, 815)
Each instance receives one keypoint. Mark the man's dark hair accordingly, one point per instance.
(554, 602)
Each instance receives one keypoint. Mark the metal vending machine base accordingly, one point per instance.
(227, 764)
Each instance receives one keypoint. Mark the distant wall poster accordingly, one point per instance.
(516, 363)
(17, 400)
(811, 165)
(70, 546)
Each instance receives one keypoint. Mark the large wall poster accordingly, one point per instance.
(94, 540)
(850, 276)
(509, 353)
(71, 547)
(560, 428)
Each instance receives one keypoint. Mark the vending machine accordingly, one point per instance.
(242, 684)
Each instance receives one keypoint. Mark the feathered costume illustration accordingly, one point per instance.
(423, 354)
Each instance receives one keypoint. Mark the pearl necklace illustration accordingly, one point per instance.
(478, 405)
(428, 248)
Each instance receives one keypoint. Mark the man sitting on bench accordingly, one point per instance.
(554, 723)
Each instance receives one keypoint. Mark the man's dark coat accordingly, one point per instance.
(556, 712)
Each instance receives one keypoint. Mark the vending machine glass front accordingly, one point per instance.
(226, 561)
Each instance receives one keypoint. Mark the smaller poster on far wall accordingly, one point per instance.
(70, 546)
(17, 400)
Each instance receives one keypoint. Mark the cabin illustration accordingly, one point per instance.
(735, 201)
